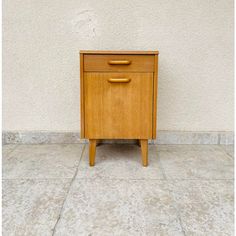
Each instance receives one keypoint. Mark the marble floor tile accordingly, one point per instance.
(122, 162)
(186, 148)
(105, 207)
(196, 164)
(6, 149)
(32, 207)
(42, 161)
(185, 190)
(205, 207)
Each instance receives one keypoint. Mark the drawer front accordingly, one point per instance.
(118, 105)
(132, 63)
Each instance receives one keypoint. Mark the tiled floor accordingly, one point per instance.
(51, 190)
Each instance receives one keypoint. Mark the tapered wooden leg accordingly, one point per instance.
(144, 149)
(92, 151)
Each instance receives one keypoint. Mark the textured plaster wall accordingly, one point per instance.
(42, 39)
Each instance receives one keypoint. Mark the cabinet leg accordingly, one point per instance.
(92, 151)
(144, 149)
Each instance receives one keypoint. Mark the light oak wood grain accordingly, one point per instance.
(155, 86)
(119, 52)
(118, 97)
(92, 152)
(101, 63)
(118, 110)
(82, 95)
(144, 149)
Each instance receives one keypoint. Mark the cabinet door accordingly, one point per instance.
(118, 105)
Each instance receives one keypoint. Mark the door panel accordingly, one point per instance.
(118, 105)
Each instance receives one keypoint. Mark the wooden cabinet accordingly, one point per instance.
(118, 97)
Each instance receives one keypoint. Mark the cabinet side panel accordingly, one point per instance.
(82, 95)
(155, 91)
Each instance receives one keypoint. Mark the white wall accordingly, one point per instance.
(42, 39)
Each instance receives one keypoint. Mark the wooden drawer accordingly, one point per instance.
(118, 105)
(119, 63)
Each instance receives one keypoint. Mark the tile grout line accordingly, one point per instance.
(181, 223)
(164, 180)
(105, 178)
(67, 193)
(161, 167)
(175, 205)
(227, 154)
(38, 179)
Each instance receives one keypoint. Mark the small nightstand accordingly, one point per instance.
(118, 97)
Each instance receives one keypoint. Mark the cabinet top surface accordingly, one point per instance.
(117, 52)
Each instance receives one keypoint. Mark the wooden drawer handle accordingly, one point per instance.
(119, 62)
(119, 80)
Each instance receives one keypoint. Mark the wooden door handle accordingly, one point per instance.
(119, 80)
(119, 62)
